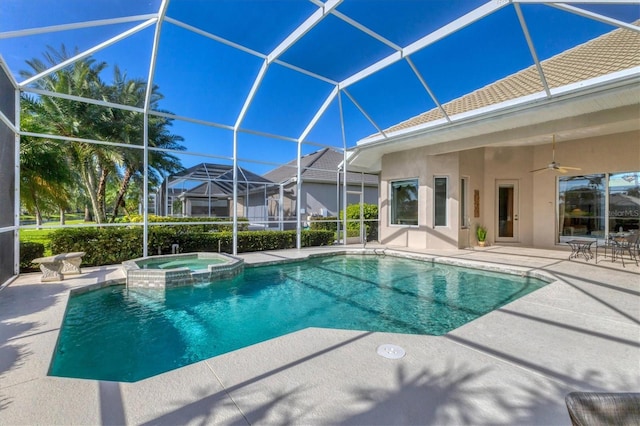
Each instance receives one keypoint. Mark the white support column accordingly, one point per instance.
(236, 127)
(281, 208)
(363, 224)
(299, 198)
(145, 141)
(16, 190)
(234, 250)
(344, 180)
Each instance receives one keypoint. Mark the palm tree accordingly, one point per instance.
(74, 119)
(44, 170)
(97, 164)
(128, 127)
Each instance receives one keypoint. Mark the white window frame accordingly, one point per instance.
(392, 204)
(446, 201)
(464, 202)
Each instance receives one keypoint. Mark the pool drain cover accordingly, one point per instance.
(391, 351)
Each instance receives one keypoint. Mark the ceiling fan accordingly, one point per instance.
(553, 165)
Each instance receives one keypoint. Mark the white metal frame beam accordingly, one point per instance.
(595, 16)
(427, 88)
(532, 49)
(367, 116)
(75, 26)
(303, 29)
(147, 106)
(429, 39)
(89, 51)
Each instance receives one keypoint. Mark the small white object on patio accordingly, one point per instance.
(391, 351)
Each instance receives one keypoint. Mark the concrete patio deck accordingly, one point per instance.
(511, 366)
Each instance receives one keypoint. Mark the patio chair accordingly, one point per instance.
(629, 245)
(597, 408)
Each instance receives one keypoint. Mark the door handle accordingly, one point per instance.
(515, 217)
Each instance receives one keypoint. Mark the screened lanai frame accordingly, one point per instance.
(340, 92)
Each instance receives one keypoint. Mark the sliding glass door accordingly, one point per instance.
(592, 206)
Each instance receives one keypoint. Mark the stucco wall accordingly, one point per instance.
(509, 164)
(472, 167)
(485, 167)
(417, 164)
(611, 153)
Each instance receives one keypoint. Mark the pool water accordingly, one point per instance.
(119, 335)
(193, 263)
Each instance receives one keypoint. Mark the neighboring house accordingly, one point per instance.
(442, 175)
(206, 190)
(321, 192)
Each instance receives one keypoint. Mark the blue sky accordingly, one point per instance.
(209, 81)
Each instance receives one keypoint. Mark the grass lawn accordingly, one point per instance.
(42, 235)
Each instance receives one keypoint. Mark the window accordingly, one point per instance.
(464, 214)
(440, 201)
(624, 202)
(583, 201)
(404, 202)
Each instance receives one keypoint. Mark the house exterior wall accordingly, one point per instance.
(417, 164)
(472, 167)
(611, 153)
(484, 168)
(509, 164)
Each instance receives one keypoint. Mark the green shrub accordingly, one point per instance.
(370, 215)
(243, 223)
(324, 223)
(103, 246)
(112, 245)
(28, 252)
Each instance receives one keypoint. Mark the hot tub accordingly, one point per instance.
(175, 270)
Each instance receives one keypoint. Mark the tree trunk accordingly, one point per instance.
(62, 216)
(36, 209)
(124, 207)
(38, 217)
(89, 183)
(101, 191)
(87, 214)
(124, 185)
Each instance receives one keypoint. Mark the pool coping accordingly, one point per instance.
(237, 393)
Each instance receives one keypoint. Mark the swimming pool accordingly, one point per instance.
(119, 335)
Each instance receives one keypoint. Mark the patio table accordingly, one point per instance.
(581, 247)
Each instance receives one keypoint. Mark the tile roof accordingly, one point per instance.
(319, 166)
(614, 51)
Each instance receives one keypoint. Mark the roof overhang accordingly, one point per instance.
(604, 105)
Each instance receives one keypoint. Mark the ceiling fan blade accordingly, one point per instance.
(539, 170)
(561, 170)
(571, 168)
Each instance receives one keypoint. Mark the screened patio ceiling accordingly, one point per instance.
(327, 73)
(256, 84)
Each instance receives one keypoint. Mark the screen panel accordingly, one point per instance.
(7, 178)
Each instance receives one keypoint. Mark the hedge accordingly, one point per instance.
(243, 223)
(112, 245)
(28, 252)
